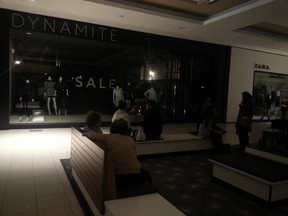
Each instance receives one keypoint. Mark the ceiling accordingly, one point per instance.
(252, 24)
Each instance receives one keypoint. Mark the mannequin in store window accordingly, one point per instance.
(50, 93)
(117, 95)
(27, 93)
(62, 94)
(151, 94)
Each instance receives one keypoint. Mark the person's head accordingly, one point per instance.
(93, 119)
(119, 126)
(246, 96)
(122, 105)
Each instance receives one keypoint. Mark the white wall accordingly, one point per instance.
(242, 74)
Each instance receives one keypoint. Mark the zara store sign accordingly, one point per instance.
(261, 66)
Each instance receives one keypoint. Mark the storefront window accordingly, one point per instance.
(57, 79)
(270, 90)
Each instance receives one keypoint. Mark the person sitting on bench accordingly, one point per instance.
(128, 171)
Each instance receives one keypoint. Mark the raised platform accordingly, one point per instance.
(173, 143)
(261, 177)
(267, 155)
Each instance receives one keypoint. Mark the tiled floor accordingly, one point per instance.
(32, 180)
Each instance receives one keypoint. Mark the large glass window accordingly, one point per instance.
(270, 90)
(59, 79)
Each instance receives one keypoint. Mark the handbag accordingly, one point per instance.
(140, 135)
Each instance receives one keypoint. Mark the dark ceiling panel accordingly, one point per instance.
(202, 10)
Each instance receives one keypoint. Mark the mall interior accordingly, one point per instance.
(61, 59)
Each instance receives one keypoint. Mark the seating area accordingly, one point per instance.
(182, 179)
(245, 171)
(93, 171)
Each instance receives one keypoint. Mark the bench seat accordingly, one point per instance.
(150, 204)
(171, 143)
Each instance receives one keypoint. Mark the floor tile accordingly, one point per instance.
(47, 180)
(52, 201)
(18, 206)
(61, 211)
(49, 190)
(19, 193)
(30, 213)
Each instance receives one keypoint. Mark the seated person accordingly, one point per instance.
(152, 121)
(93, 122)
(121, 113)
(127, 167)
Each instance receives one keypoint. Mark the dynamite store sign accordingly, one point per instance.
(31, 22)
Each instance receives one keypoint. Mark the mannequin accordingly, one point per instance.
(27, 94)
(151, 94)
(117, 95)
(50, 93)
(62, 94)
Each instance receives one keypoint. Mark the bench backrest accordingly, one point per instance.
(94, 167)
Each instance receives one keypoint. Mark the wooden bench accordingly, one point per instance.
(93, 171)
(261, 177)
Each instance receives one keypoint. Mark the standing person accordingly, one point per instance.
(244, 119)
(152, 121)
(207, 118)
(121, 113)
(93, 122)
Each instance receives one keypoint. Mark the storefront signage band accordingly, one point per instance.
(63, 27)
